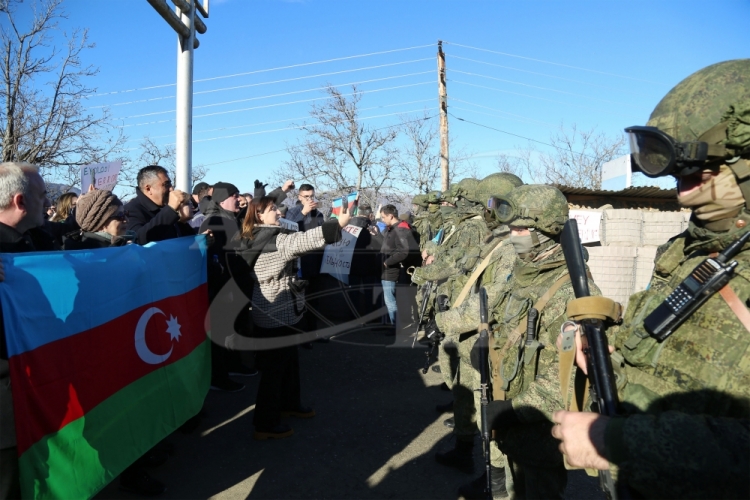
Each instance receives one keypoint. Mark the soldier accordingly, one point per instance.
(430, 220)
(684, 431)
(525, 372)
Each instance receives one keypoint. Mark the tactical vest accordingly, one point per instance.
(711, 350)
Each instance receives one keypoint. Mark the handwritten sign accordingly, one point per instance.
(588, 224)
(337, 257)
(101, 175)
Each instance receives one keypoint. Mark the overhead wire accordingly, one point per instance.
(264, 83)
(553, 63)
(520, 117)
(257, 98)
(286, 119)
(220, 77)
(453, 56)
(284, 149)
(520, 136)
(276, 104)
(536, 87)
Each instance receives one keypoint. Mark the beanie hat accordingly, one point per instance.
(224, 190)
(95, 208)
(200, 187)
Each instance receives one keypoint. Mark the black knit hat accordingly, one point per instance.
(223, 190)
(201, 186)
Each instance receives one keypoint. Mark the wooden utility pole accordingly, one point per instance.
(443, 101)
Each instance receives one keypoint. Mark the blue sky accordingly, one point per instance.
(602, 64)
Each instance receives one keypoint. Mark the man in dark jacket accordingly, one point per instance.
(158, 212)
(221, 218)
(21, 217)
(398, 250)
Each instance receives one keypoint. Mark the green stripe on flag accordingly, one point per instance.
(84, 456)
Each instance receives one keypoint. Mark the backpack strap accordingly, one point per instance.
(475, 276)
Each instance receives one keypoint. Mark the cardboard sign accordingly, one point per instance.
(337, 257)
(101, 175)
(588, 224)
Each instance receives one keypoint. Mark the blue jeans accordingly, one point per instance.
(389, 297)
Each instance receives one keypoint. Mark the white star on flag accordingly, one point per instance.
(173, 328)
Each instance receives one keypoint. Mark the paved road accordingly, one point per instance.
(374, 435)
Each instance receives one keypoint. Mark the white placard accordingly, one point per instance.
(337, 257)
(588, 224)
(102, 175)
(287, 224)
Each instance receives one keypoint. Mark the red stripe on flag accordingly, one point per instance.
(61, 381)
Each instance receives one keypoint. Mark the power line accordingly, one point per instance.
(280, 150)
(529, 96)
(520, 136)
(266, 83)
(545, 75)
(554, 63)
(236, 101)
(499, 111)
(536, 87)
(266, 70)
(287, 120)
(276, 104)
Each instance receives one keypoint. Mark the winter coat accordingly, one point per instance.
(11, 241)
(224, 226)
(400, 249)
(88, 241)
(152, 222)
(276, 299)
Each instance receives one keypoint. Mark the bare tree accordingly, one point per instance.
(341, 154)
(43, 120)
(575, 159)
(417, 161)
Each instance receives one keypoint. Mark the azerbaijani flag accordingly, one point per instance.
(339, 202)
(108, 355)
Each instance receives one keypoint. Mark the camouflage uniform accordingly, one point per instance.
(686, 433)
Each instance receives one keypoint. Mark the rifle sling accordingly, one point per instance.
(497, 392)
(474, 277)
(736, 305)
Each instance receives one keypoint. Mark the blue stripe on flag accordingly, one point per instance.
(59, 294)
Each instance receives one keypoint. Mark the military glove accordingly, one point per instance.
(432, 331)
(500, 414)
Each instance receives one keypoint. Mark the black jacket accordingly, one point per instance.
(89, 241)
(366, 258)
(151, 222)
(399, 249)
(225, 227)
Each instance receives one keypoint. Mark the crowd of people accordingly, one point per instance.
(683, 427)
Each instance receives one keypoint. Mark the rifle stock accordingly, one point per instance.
(483, 348)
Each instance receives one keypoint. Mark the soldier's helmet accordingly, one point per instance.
(420, 200)
(468, 187)
(703, 121)
(433, 197)
(497, 184)
(533, 206)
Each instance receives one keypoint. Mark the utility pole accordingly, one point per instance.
(443, 102)
(185, 23)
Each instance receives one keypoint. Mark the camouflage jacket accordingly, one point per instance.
(535, 388)
(427, 225)
(687, 433)
(494, 279)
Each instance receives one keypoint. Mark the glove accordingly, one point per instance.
(432, 331)
(442, 303)
(260, 189)
(500, 414)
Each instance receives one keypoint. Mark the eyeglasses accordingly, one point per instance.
(308, 197)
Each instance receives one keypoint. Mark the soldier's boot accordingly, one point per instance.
(461, 457)
(475, 489)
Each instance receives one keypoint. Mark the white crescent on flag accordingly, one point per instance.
(140, 339)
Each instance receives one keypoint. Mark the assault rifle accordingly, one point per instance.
(426, 292)
(483, 349)
(595, 345)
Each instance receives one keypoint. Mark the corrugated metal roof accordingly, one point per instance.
(631, 192)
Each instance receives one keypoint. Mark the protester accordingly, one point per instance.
(272, 252)
(245, 200)
(22, 198)
(201, 194)
(398, 250)
(102, 219)
(158, 212)
(64, 207)
(221, 219)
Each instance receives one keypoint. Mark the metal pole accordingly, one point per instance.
(443, 102)
(184, 135)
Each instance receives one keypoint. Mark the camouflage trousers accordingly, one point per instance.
(464, 380)
(534, 483)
